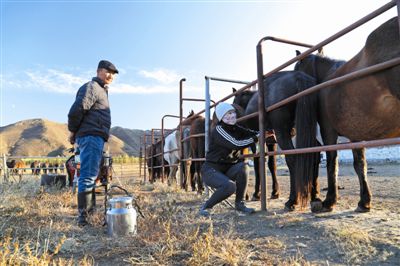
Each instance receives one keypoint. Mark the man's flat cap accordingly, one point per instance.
(108, 65)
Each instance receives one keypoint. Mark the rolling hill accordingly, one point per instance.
(40, 137)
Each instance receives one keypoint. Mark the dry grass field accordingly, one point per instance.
(38, 227)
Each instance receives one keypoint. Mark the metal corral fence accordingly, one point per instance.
(259, 81)
(34, 166)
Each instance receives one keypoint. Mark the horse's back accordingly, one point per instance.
(170, 142)
(367, 108)
(384, 44)
(280, 86)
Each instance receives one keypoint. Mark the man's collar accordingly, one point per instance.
(101, 83)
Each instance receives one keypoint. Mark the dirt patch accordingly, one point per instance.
(172, 233)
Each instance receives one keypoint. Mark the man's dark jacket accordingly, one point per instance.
(90, 113)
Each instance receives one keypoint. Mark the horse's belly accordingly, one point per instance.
(373, 115)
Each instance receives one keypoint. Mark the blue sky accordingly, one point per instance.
(50, 48)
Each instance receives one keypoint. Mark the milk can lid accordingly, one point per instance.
(121, 200)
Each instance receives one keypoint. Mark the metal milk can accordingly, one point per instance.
(121, 217)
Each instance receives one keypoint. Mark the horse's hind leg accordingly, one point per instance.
(285, 142)
(332, 173)
(200, 187)
(316, 202)
(360, 166)
(172, 176)
(192, 176)
(272, 169)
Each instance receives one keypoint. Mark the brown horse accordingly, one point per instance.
(197, 151)
(361, 109)
(17, 167)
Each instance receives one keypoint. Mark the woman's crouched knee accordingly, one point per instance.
(230, 187)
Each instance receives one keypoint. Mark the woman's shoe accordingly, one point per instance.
(239, 206)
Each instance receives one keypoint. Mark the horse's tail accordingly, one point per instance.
(306, 126)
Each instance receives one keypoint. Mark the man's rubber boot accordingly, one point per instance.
(84, 204)
(92, 205)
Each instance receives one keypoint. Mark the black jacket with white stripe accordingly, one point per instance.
(226, 142)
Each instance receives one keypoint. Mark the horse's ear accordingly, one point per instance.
(234, 90)
(297, 52)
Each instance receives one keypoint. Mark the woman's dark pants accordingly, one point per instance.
(225, 183)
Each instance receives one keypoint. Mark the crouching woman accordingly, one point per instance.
(223, 170)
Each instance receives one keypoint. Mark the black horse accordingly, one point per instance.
(366, 108)
(155, 160)
(240, 103)
(282, 120)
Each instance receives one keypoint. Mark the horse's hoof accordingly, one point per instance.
(325, 209)
(275, 196)
(361, 209)
(255, 198)
(316, 206)
(290, 206)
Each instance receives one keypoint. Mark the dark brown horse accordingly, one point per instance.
(197, 151)
(242, 100)
(361, 109)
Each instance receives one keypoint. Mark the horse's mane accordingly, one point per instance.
(327, 59)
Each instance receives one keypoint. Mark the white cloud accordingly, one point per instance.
(161, 75)
(55, 81)
(131, 89)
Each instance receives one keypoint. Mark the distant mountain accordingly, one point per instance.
(40, 137)
(131, 138)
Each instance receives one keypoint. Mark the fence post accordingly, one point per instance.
(5, 169)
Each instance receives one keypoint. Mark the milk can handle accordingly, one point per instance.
(115, 186)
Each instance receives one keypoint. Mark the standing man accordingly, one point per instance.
(89, 122)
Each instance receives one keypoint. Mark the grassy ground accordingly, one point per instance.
(38, 227)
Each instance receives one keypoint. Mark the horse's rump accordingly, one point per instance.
(360, 109)
(171, 155)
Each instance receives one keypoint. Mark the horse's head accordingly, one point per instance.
(307, 65)
(189, 119)
(242, 98)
